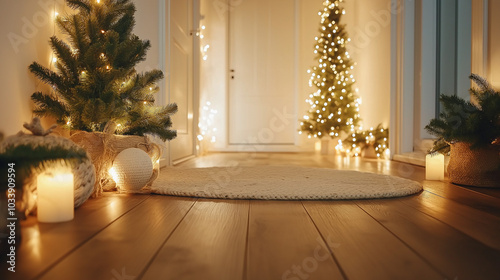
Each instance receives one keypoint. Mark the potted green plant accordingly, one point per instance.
(469, 131)
(95, 90)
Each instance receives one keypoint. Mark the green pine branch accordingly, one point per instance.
(48, 105)
(46, 75)
(83, 5)
(476, 123)
(65, 58)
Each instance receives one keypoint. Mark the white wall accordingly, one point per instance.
(369, 26)
(147, 20)
(25, 28)
(494, 43)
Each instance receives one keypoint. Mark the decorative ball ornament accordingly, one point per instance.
(132, 169)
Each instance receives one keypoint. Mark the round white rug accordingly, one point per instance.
(280, 182)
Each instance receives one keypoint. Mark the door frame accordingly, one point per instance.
(413, 91)
(165, 67)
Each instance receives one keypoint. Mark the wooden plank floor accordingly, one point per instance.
(445, 232)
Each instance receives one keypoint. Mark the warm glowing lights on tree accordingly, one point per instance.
(334, 106)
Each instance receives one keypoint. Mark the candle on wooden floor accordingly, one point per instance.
(434, 167)
(55, 196)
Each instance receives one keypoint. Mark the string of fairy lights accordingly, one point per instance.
(207, 128)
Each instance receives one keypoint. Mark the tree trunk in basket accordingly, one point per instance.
(369, 152)
(477, 167)
(324, 146)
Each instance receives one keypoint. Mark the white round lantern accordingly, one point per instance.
(132, 169)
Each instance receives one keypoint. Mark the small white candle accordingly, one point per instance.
(434, 167)
(55, 197)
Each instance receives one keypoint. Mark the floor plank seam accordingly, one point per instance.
(468, 190)
(245, 257)
(453, 227)
(485, 211)
(465, 205)
(344, 275)
(146, 267)
(56, 262)
(406, 244)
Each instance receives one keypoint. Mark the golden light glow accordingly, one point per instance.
(207, 123)
(112, 172)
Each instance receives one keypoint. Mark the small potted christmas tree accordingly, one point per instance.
(470, 133)
(96, 90)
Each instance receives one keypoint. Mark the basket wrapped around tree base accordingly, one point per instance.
(477, 167)
(103, 149)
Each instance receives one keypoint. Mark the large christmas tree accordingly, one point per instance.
(95, 85)
(334, 104)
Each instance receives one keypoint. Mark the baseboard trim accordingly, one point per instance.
(416, 158)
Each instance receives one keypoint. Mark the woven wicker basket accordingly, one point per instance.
(104, 147)
(477, 167)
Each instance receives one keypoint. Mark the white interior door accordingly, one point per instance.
(181, 77)
(262, 82)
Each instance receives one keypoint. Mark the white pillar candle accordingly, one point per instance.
(434, 167)
(55, 196)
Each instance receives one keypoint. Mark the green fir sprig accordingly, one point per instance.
(476, 122)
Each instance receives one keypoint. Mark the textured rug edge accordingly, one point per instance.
(412, 187)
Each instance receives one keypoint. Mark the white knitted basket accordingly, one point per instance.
(84, 173)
